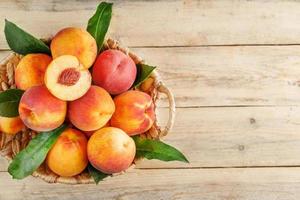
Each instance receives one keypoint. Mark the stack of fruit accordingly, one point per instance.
(82, 101)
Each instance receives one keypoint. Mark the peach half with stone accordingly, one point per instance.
(67, 79)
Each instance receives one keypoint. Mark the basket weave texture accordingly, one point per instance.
(11, 145)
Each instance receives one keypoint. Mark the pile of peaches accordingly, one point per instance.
(91, 92)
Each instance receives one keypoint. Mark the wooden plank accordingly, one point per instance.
(209, 184)
(228, 76)
(231, 137)
(166, 23)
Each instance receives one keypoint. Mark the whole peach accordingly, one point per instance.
(111, 150)
(92, 111)
(11, 125)
(77, 42)
(114, 71)
(68, 156)
(134, 112)
(31, 70)
(40, 110)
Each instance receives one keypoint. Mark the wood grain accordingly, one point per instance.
(207, 184)
(228, 76)
(166, 23)
(231, 137)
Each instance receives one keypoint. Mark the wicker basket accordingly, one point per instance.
(11, 145)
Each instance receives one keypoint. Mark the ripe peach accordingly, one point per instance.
(110, 150)
(77, 42)
(67, 79)
(114, 71)
(68, 156)
(92, 111)
(40, 110)
(134, 112)
(31, 69)
(11, 125)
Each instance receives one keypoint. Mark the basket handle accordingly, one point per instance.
(163, 89)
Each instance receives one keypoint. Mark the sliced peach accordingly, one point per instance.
(68, 156)
(11, 125)
(77, 42)
(31, 69)
(67, 79)
(134, 112)
(40, 110)
(111, 150)
(92, 111)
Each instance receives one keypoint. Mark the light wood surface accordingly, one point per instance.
(234, 68)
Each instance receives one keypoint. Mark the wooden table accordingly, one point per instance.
(234, 68)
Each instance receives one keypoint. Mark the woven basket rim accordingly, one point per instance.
(83, 178)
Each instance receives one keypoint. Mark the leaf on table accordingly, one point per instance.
(155, 149)
(9, 102)
(29, 159)
(143, 72)
(96, 174)
(22, 42)
(98, 24)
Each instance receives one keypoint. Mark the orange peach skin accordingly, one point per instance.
(11, 125)
(68, 156)
(40, 110)
(114, 71)
(134, 112)
(111, 150)
(77, 42)
(92, 111)
(31, 70)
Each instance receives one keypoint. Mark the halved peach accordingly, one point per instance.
(67, 79)
(77, 42)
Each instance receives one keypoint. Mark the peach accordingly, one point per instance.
(11, 125)
(68, 156)
(92, 111)
(111, 150)
(77, 42)
(134, 112)
(30, 70)
(40, 110)
(114, 71)
(67, 79)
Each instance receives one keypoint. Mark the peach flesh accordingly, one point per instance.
(68, 156)
(67, 79)
(111, 150)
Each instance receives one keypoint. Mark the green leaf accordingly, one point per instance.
(30, 158)
(143, 72)
(98, 24)
(96, 174)
(9, 102)
(155, 149)
(22, 42)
